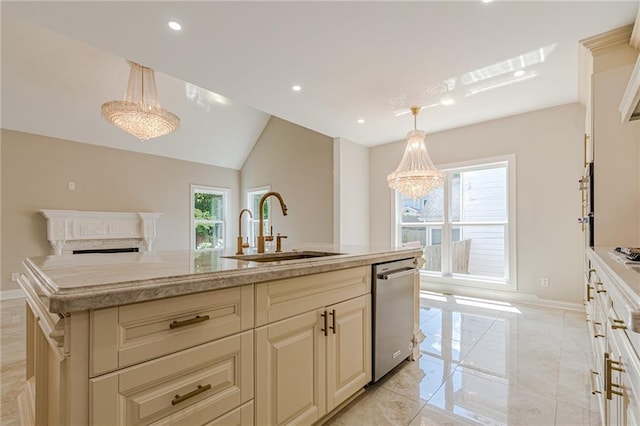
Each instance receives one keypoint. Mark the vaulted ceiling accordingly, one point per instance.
(233, 65)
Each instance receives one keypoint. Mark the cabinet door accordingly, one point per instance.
(348, 349)
(290, 370)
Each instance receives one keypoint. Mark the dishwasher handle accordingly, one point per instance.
(394, 274)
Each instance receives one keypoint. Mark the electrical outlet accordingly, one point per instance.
(14, 277)
(72, 186)
(544, 281)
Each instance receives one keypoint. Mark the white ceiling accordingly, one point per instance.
(369, 60)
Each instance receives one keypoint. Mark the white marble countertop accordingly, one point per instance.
(71, 283)
(626, 275)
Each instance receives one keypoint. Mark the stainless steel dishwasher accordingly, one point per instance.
(393, 298)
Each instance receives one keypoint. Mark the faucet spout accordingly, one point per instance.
(240, 244)
(283, 206)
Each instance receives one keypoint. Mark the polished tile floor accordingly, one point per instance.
(488, 363)
(482, 362)
(12, 358)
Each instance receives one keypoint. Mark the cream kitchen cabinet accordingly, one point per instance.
(158, 339)
(606, 63)
(310, 363)
(613, 315)
(182, 360)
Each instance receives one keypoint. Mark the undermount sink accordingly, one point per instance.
(283, 256)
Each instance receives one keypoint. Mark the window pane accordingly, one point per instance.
(427, 209)
(255, 204)
(208, 206)
(209, 236)
(479, 195)
(430, 238)
(479, 251)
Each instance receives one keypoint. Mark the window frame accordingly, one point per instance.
(446, 276)
(250, 222)
(214, 190)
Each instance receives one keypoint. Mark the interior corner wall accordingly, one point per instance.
(351, 193)
(548, 146)
(297, 163)
(36, 171)
(1, 214)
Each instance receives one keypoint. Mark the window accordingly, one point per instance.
(253, 204)
(208, 217)
(466, 227)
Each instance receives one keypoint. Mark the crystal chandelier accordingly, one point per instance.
(416, 175)
(140, 113)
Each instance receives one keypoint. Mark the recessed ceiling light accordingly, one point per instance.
(518, 73)
(296, 88)
(360, 120)
(487, 1)
(447, 100)
(175, 26)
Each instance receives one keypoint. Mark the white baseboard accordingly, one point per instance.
(11, 294)
(504, 296)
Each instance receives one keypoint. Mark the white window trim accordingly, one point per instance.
(510, 242)
(225, 201)
(247, 220)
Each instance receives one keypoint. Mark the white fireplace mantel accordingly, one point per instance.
(69, 230)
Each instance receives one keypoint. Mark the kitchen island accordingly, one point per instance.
(199, 337)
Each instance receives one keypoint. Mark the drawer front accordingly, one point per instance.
(195, 415)
(241, 416)
(276, 300)
(131, 334)
(204, 382)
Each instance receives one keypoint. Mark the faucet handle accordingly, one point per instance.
(279, 242)
(270, 236)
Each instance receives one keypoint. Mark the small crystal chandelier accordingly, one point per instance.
(140, 113)
(416, 175)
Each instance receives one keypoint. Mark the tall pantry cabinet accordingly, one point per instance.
(613, 145)
(607, 61)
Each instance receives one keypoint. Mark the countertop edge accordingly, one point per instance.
(117, 294)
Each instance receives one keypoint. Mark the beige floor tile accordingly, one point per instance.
(480, 398)
(12, 358)
(430, 416)
(418, 380)
(572, 415)
(378, 407)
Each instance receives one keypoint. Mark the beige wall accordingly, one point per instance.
(36, 170)
(351, 193)
(297, 163)
(548, 149)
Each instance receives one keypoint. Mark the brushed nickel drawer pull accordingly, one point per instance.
(178, 399)
(197, 319)
(333, 320)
